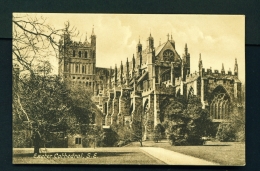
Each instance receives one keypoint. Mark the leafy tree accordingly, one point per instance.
(110, 137)
(41, 102)
(138, 124)
(123, 133)
(188, 122)
(95, 136)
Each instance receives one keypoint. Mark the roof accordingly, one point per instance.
(159, 48)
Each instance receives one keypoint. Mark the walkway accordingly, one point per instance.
(174, 158)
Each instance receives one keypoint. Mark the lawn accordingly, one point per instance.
(85, 156)
(230, 154)
(224, 153)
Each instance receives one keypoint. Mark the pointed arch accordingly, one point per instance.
(220, 103)
(190, 92)
(165, 76)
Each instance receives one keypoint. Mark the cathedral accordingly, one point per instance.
(147, 84)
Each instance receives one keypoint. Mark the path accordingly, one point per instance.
(174, 158)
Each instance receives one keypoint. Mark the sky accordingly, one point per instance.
(219, 38)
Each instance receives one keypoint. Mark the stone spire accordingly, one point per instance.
(110, 76)
(121, 73)
(133, 60)
(222, 70)
(200, 61)
(186, 49)
(115, 76)
(236, 68)
(127, 72)
(200, 65)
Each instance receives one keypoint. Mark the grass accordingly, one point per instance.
(217, 152)
(86, 156)
(224, 153)
(233, 154)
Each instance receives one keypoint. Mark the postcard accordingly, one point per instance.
(138, 89)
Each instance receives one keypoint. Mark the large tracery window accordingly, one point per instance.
(166, 76)
(168, 55)
(220, 105)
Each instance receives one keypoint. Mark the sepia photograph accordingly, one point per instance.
(128, 89)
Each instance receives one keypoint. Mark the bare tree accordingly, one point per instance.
(39, 98)
(34, 40)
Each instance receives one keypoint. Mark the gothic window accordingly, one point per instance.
(77, 68)
(166, 76)
(80, 54)
(83, 69)
(219, 107)
(168, 55)
(66, 67)
(191, 93)
(89, 68)
(73, 53)
(86, 54)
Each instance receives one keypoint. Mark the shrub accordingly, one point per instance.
(226, 133)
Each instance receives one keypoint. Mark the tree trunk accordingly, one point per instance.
(36, 142)
(36, 149)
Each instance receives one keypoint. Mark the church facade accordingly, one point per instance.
(147, 84)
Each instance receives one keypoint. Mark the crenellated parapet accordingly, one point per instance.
(192, 77)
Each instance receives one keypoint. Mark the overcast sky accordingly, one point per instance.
(219, 38)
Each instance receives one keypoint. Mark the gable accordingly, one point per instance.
(159, 52)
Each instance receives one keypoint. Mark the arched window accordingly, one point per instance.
(83, 69)
(86, 54)
(73, 53)
(165, 76)
(191, 93)
(80, 54)
(220, 103)
(77, 68)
